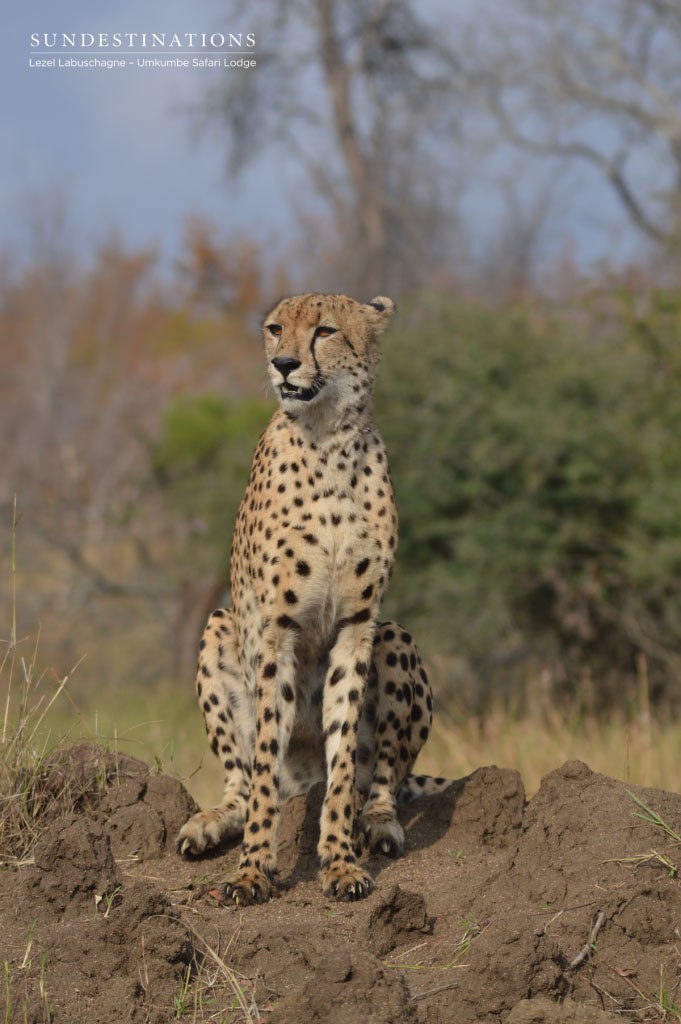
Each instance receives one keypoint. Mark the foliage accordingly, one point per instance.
(97, 347)
(201, 462)
(537, 467)
(535, 453)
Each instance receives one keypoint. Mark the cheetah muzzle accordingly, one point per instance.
(299, 682)
(302, 394)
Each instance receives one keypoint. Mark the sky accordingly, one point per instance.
(121, 147)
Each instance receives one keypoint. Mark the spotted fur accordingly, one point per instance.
(299, 682)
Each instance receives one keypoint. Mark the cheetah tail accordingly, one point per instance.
(415, 786)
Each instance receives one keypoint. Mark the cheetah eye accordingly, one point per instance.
(274, 329)
(324, 332)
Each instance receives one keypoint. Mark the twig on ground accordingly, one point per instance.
(434, 991)
(589, 946)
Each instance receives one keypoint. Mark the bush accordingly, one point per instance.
(538, 472)
(201, 463)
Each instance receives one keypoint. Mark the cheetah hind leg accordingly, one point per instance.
(395, 725)
(229, 715)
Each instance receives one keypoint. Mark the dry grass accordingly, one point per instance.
(38, 781)
(214, 991)
(641, 749)
(163, 726)
(40, 777)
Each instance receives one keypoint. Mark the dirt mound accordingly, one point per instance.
(566, 908)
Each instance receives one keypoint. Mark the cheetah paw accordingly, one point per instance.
(206, 830)
(386, 837)
(344, 881)
(249, 885)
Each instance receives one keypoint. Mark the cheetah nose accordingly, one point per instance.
(285, 365)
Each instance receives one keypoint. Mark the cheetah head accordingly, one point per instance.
(324, 350)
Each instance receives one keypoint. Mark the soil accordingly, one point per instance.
(564, 908)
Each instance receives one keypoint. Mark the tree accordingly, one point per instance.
(96, 346)
(355, 94)
(219, 274)
(538, 475)
(596, 83)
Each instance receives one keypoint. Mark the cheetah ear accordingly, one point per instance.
(383, 311)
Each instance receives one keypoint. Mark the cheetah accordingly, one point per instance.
(299, 682)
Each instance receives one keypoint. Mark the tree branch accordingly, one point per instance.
(612, 168)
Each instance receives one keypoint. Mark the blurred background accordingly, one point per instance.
(510, 173)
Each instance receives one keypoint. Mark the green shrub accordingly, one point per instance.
(201, 463)
(538, 470)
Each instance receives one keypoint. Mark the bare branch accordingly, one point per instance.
(353, 94)
(602, 86)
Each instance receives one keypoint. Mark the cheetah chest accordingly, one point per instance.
(320, 536)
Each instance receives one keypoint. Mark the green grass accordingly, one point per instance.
(653, 818)
(16, 987)
(667, 859)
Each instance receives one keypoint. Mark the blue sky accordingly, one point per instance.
(119, 145)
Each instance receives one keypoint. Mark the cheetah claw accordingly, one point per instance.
(387, 847)
(242, 897)
(349, 888)
(356, 891)
(386, 838)
(247, 888)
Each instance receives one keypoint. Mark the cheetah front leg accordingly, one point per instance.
(229, 715)
(275, 711)
(344, 691)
